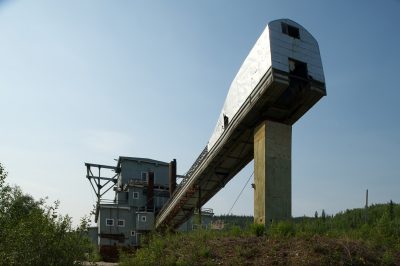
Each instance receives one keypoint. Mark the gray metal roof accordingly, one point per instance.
(137, 159)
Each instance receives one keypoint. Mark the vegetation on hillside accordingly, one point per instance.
(242, 221)
(32, 233)
(353, 237)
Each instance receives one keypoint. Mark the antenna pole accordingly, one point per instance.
(366, 206)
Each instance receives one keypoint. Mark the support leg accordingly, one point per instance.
(272, 172)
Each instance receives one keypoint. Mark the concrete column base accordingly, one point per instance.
(272, 172)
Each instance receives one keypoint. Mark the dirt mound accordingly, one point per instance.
(291, 251)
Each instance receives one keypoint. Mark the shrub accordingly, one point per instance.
(235, 230)
(258, 229)
(33, 234)
(282, 229)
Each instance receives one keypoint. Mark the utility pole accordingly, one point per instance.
(366, 206)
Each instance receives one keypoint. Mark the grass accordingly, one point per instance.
(348, 238)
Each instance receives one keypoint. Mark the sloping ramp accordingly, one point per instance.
(283, 93)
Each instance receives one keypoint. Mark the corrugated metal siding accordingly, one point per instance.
(273, 48)
(304, 49)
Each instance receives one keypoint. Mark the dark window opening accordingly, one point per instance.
(226, 121)
(109, 222)
(298, 84)
(290, 30)
(298, 69)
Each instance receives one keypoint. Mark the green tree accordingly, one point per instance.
(33, 234)
(391, 210)
(323, 216)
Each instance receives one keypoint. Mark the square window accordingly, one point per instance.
(133, 233)
(143, 219)
(121, 223)
(135, 195)
(298, 68)
(109, 222)
(290, 30)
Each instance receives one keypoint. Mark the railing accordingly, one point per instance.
(191, 170)
(196, 163)
(133, 182)
(113, 201)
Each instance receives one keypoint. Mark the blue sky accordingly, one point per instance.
(88, 81)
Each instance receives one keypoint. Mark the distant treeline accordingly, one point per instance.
(348, 219)
(242, 221)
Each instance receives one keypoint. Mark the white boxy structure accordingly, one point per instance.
(279, 81)
(280, 46)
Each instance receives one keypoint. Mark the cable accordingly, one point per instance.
(240, 193)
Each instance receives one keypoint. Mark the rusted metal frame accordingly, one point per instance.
(186, 211)
(172, 177)
(181, 202)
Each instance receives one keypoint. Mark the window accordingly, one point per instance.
(290, 30)
(143, 219)
(135, 195)
(226, 121)
(133, 233)
(144, 176)
(109, 222)
(298, 68)
(121, 223)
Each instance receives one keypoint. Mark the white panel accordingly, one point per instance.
(304, 49)
(252, 70)
(273, 47)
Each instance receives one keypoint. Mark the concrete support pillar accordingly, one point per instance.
(272, 172)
